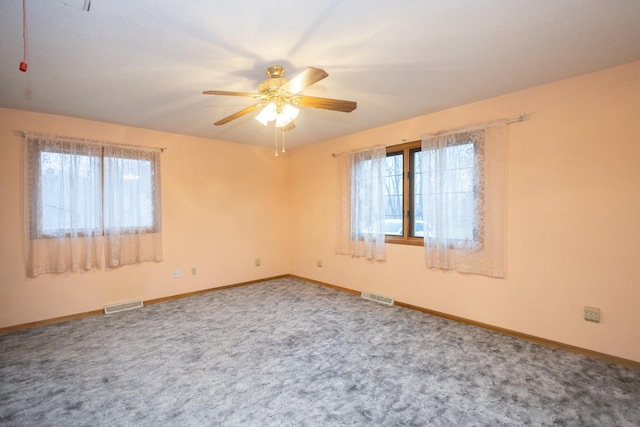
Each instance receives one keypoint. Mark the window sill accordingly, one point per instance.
(399, 240)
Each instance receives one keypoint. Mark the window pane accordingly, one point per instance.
(68, 192)
(461, 175)
(417, 225)
(393, 223)
(457, 190)
(129, 184)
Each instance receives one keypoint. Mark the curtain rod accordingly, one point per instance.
(517, 119)
(25, 133)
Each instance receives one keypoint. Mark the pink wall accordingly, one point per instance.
(224, 205)
(573, 216)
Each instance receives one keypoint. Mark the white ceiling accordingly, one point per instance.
(145, 63)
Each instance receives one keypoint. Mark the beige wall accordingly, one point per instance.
(573, 216)
(223, 205)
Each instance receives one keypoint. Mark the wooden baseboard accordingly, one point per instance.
(46, 322)
(61, 319)
(538, 340)
(206, 291)
(328, 285)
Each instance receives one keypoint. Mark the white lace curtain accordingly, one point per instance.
(463, 199)
(63, 206)
(360, 205)
(65, 212)
(132, 210)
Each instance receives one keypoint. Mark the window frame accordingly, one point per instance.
(408, 150)
(36, 224)
(408, 204)
(144, 229)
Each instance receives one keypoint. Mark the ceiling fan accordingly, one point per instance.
(280, 96)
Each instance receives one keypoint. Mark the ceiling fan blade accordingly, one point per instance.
(238, 114)
(304, 79)
(327, 103)
(223, 92)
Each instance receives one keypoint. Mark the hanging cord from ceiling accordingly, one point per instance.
(23, 64)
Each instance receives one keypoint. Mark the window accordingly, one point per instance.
(463, 199)
(360, 204)
(67, 185)
(78, 193)
(446, 193)
(452, 191)
(403, 201)
(68, 189)
(404, 193)
(129, 180)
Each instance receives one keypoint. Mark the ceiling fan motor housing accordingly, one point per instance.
(270, 89)
(275, 71)
(271, 85)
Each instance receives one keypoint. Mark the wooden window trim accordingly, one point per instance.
(407, 184)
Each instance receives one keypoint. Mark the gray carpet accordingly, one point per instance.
(291, 353)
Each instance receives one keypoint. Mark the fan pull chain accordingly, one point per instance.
(282, 139)
(276, 129)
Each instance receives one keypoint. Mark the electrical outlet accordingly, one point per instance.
(258, 262)
(193, 271)
(319, 263)
(592, 314)
(177, 274)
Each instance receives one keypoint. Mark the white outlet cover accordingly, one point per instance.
(177, 274)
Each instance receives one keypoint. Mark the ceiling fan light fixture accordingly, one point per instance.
(267, 114)
(288, 114)
(283, 116)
